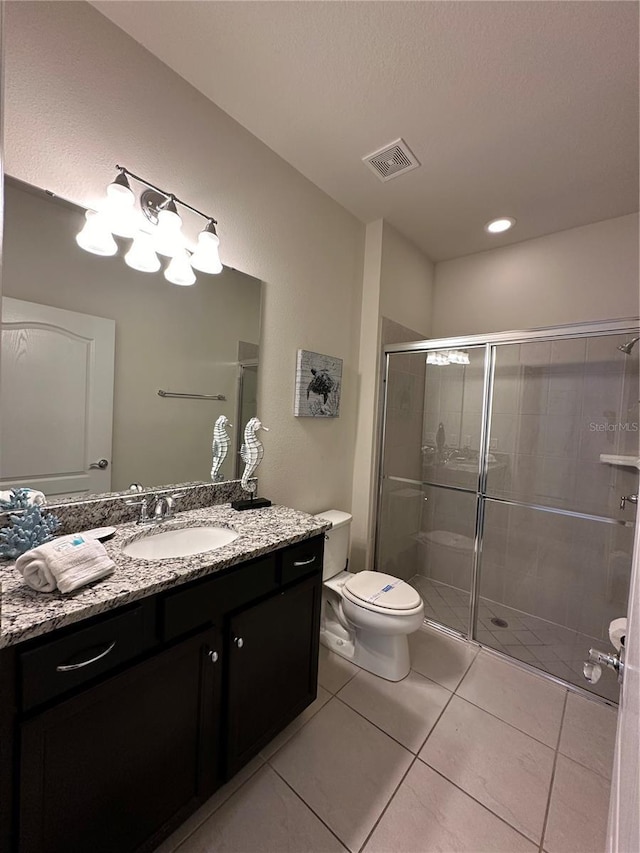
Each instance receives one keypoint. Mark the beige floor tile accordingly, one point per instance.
(344, 768)
(334, 671)
(430, 815)
(441, 658)
(264, 816)
(589, 734)
(279, 740)
(208, 808)
(407, 710)
(578, 811)
(528, 702)
(506, 770)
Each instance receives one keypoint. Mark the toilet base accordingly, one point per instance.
(381, 655)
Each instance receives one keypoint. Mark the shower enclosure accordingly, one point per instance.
(504, 463)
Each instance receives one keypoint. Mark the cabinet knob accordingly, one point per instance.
(213, 655)
(239, 642)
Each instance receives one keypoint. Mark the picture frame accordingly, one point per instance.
(318, 385)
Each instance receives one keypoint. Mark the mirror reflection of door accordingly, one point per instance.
(56, 379)
(247, 404)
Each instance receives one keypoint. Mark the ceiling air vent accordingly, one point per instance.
(392, 160)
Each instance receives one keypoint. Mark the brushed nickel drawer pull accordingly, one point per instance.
(299, 563)
(70, 666)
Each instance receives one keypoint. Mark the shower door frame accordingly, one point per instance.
(491, 342)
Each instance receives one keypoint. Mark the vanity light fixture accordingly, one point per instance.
(498, 226)
(161, 234)
(451, 356)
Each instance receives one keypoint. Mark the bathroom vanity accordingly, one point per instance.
(126, 705)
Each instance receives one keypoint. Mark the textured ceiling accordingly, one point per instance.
(524, 109)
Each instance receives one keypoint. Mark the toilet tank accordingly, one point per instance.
(336, 546)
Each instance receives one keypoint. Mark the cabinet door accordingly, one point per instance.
(102, 772)
(273, 668)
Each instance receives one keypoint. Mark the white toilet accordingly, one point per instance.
(366, 616)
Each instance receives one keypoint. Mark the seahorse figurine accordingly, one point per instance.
(251, 453)
(219, 447)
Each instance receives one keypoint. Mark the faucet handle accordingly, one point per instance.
(633, 499)
(143, 503)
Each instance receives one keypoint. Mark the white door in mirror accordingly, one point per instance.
(180, 543)
(56, 410)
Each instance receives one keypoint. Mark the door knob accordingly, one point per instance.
(101, 463)
(239, 642)
(213, 655)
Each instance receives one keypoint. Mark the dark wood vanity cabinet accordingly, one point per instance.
(114, 754)
(104, 770)
(277, 675)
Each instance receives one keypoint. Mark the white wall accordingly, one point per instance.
(406, 282)
(587, 273)
(82, 96)
(397, 285)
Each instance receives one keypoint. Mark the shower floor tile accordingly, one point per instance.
(555, 649)
(504, 749)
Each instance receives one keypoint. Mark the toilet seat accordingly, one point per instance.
(382, 593)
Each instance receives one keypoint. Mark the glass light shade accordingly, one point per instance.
(95, 236)
(206, 257)
(458, 356)
(141, 256)
(179, 271)
(120, 194)
(168, 237)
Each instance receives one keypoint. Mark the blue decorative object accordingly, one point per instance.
(20, 499)
(30, 528)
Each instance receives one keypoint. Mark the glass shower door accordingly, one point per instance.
(556, 551)
(430, 475)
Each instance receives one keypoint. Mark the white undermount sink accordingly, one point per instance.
(184, 542)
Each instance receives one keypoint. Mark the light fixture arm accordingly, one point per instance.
(167, 195)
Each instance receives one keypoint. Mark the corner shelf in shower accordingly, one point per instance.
(626, 461)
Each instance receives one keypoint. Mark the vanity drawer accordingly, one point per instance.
(302, 559)
(200, 603)
(57, 666)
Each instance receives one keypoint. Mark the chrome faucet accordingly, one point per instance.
(632, 499)
(163, 506)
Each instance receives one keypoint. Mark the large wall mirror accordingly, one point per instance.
(87, 343)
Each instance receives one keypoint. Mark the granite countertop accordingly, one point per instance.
(25, 613)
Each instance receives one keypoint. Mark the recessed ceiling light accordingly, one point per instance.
(497, 226)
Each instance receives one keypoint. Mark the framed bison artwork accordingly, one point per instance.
(318, 385)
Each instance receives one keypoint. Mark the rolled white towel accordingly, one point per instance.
(67, 563)
(34, 497)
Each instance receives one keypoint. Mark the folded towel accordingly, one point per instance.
(34, 497)
(67, 563)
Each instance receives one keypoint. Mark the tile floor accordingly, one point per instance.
(468, 753)
(545, 645)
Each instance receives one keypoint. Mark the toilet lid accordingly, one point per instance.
(380, 590)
